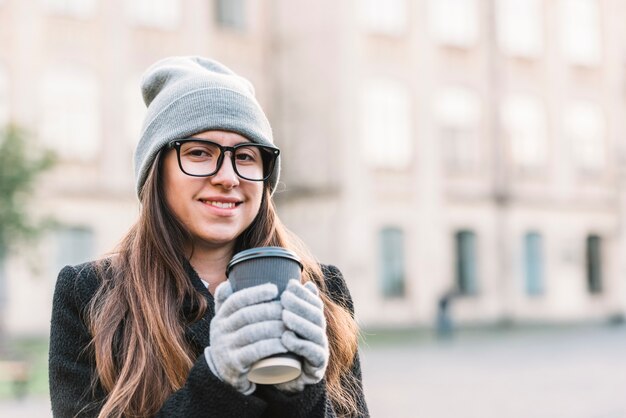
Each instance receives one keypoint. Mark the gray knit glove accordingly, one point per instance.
(303, 316)
(247, 327)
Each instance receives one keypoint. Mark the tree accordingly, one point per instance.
(21, 162)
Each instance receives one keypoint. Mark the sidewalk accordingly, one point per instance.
(567, 373)
(25, 408)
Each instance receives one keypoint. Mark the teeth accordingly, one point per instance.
(223, 205)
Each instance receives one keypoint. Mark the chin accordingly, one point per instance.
(217, 241)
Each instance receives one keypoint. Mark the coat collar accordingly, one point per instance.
(197, 332)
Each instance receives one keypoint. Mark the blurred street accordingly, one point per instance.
(25, 408)
(563, 373)
(549, 373)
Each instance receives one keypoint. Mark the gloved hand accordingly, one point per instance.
(246, 328)
(303, 316)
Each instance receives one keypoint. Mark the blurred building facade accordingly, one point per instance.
(430, 147)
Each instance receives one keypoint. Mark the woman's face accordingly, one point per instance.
(214, 209)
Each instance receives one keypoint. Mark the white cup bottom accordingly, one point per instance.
(274, 370)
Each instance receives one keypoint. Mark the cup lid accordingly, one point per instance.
(262, 252)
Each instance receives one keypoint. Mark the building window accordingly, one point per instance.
(520, 27)
(231, 13)
(454, 22)
(388, 17)
(163, 14)
(385, 124)
(533, 263)
(585, 130)
(4, 98)
(75, 245)
(525, 126)
(75, 8)
(458, 113)
(580, 31)
(392, 262)
(594, 264)
(466, 262)
(70, 115)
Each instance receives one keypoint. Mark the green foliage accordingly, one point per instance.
(21, 162)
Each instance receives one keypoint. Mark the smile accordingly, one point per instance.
(221, 204)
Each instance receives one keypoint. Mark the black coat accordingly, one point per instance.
(72, 363)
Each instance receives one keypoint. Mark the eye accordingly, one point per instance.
(247, 155)
(199, 151)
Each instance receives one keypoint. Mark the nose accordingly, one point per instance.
(226, 175)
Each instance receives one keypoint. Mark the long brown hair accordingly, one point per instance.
(141, 354)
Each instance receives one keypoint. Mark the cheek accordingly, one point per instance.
(258, 197)
(169, 168)
(173, 186)
(255, 199)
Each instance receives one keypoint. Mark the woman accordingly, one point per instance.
(155, 329)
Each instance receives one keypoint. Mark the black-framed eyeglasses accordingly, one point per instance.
(202, 158)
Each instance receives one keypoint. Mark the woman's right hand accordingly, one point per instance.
(247, 327)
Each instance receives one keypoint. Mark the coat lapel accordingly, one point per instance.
(198, 332)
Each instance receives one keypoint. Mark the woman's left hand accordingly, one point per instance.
(305, 335)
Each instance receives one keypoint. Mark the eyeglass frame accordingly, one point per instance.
(177, 143)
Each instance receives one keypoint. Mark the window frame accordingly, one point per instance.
(386, 113)
(446, 31)
(385, 17)
(589, 150)
(466, 270)
(233, 16)
(524, 121)
(459, 126)
(581, 38)
(512, 19)
(534, 263)
(71, 118)
(594, 260)
(392, 267)
(146, 13)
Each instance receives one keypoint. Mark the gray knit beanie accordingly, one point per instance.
(189, 95)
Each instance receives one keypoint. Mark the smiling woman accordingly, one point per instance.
(155, 328)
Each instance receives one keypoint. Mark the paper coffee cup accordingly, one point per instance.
(267, 265)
